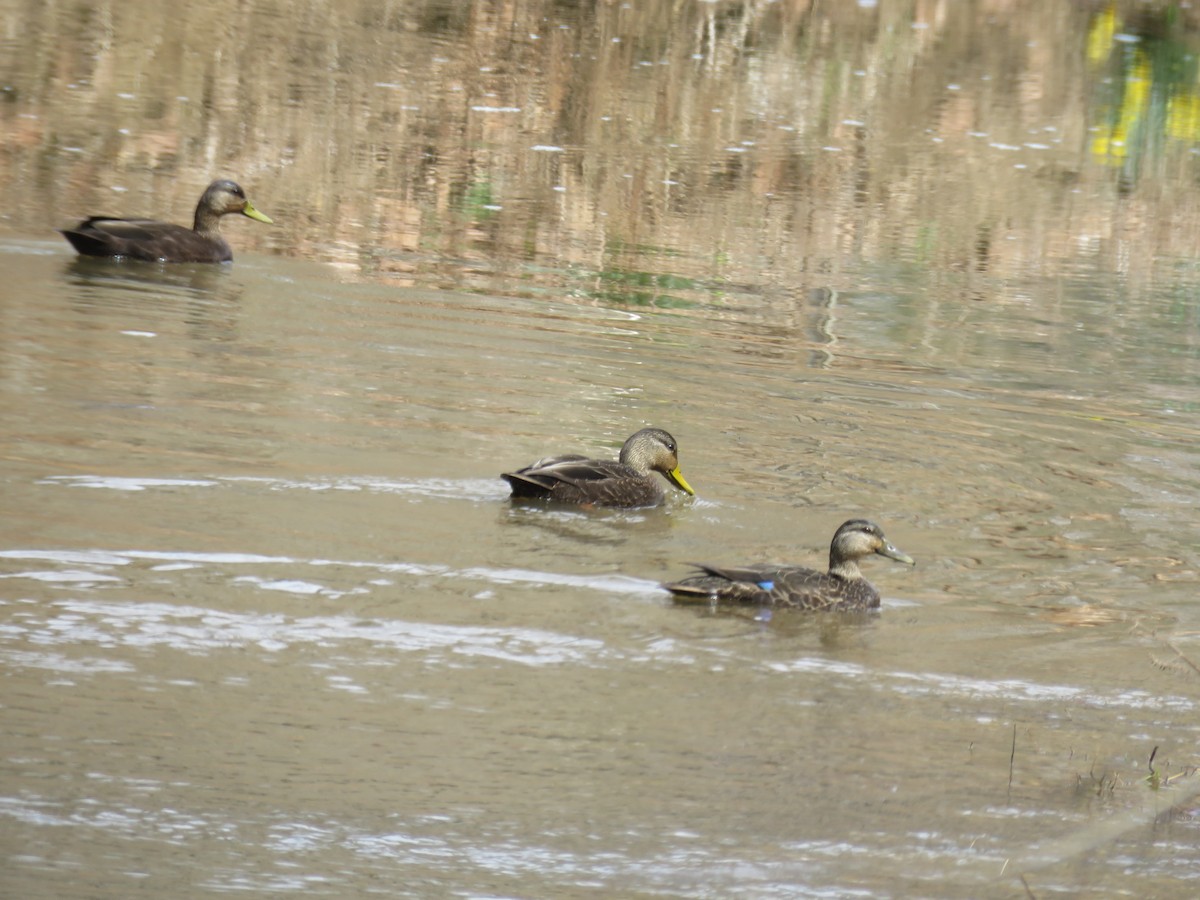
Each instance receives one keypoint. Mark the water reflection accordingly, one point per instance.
(654, 152)
(1149, 96)
(198, 280)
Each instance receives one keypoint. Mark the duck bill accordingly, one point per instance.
(676, 478)
(898, 555)
(249, 210)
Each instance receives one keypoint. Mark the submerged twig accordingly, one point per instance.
(1182, 662)
(1087, 840)
(1011, 758)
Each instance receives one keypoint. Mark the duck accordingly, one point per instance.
(843, 587)
(153, 241)
(627, 481)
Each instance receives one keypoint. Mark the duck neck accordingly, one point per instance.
(207, 221)
(846, 569)
(635, 461)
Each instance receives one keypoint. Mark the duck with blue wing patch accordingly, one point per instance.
(768, 584)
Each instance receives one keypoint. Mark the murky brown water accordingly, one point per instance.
(267, 623)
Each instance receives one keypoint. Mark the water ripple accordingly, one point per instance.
(433, 488)
(934, 683)
(193, 629)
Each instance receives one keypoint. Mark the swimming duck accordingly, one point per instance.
(163, 242)
(627, 482)
(765, 584)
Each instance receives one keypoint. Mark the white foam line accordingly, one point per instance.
(611, 584)
(114, 483)
(196, 629)
(938, 684)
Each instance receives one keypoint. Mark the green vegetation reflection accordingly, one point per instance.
(636, 288)
(1151, 92)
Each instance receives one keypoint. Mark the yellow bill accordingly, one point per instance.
(676, 478)
(249, 210)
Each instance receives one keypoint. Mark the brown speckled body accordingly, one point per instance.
(767, 584)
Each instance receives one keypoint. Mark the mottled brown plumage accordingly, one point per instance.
(154, 241)
(625, 482)
(766, 584)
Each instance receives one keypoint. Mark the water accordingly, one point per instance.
(267, 621)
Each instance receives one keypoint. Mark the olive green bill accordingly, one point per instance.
(249, 210)
(891, 552)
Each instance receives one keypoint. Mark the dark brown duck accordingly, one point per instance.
(766, 584)
(625, 482)
(154, 241)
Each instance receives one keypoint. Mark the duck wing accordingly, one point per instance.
(578, 479)
(731, 584)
